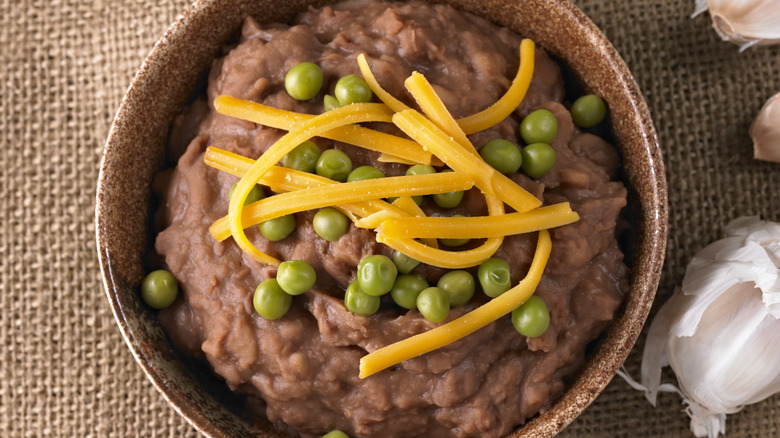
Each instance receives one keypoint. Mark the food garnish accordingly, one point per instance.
(456, 329)
(540, 126)
(351, 134)
(538, 159)
(355, 113)
(277, 228)
(532, 317)
(303, 81)
(434, 304)
(436, 137)
(330, 224)
(493, 275)
(485, 118)
(588, 111)
(270, 300)
(478, 227)
(159, 289)
(296, 276)
(344, 193)
(352, 89)
(502, 155)
(335, 434)
(459, 286)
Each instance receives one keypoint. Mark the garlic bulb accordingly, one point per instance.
(719, 331)
(744, 22)
(765, 131)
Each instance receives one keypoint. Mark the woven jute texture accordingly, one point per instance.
(64, 66)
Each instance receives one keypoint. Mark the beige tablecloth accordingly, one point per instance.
(64, 66)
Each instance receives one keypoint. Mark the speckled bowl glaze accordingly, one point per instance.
(136, 143)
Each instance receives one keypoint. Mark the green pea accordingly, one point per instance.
(352, 89)
(450, 199)
(334, 164)
(330, 102)
(434, 304)
(159, 289)
(540, 126)
(359, 302)
(532, 317)
(403, 262)
(335, 434)
(295, 276)
(363, 173)
(459, 286)
(494, 277)
(502, 155)
(270, 301)
(420, 169)
(454, 242)
(304, 157)
(254, 195)
(538, 159)
(376, 274)
(588, 111)
(406, 289)
(303, 81)
(278, 228)
(330, 224)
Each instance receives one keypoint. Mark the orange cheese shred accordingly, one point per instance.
(395, 104)
(390, 145)
(418, 127)
(344, 194)
(450, 332)
(479, 227)
(355, 113)
(500, 110)
(407, 204)
(434, 108)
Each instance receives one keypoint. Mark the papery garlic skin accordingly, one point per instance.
(719, 331)
(744, 22)
(765, 131)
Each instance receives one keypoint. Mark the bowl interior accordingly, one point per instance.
(167, 77)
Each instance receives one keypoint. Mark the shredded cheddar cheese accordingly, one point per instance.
(486, 118)
(450, 332)
(408, 205)
(387, 144)
(510, 100)
(387, 158)
(418, 127)
(347, 193)
(433, 107)
(479, 227)
(281, 179)
(438, 257)
(394, 104)
(355, 113)
(436, 138)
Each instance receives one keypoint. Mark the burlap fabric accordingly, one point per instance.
(64, 66)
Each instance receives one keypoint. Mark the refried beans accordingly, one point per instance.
(304, 366)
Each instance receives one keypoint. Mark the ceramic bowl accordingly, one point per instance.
(137, 139)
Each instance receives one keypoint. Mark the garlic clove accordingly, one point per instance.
(744, 22)
(765, 131)
(718, 332)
